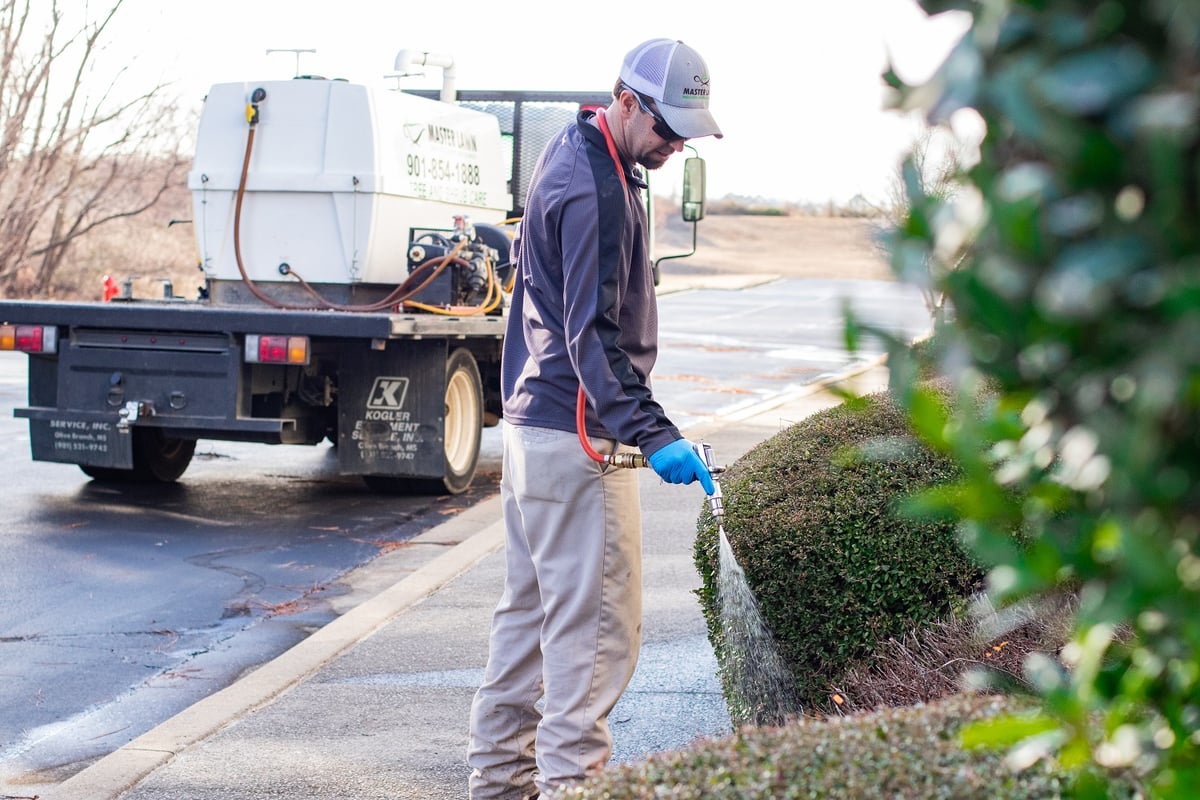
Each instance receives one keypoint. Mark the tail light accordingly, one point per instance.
(276, 349)
(29, 338)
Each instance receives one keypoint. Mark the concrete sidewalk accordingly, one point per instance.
(375, 704)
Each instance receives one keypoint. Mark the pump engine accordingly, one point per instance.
(463, 269)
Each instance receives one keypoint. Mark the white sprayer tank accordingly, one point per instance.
(340, 177)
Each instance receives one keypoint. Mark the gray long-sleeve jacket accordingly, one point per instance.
(583, 307)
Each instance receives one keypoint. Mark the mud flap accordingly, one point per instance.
(391, 409)
(93, 443)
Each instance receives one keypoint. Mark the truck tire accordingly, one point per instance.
(461, 434)
(463, 425)
(157, 458)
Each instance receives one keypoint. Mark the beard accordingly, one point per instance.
(653, 159)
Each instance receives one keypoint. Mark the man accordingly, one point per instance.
(583, 315)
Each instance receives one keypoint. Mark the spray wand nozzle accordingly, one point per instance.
(716, 504)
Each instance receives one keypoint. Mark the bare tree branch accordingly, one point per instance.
(74, 156)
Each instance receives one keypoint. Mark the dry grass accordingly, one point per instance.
(792, 246)
(944, 659)
(146, 249)
(161, 245)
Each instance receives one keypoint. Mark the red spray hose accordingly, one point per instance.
(624, 460)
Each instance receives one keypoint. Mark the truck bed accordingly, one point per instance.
(200, 317)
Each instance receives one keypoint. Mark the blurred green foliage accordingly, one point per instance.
(1070, 259)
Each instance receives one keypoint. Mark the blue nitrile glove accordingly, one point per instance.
(679, 463)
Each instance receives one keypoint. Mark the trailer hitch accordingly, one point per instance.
(131, 412)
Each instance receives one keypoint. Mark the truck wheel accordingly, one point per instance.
(157, 458)
(461, 432)
(464, 420)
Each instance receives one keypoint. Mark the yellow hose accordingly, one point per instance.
(512, 279)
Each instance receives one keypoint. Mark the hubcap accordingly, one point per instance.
(462, 412)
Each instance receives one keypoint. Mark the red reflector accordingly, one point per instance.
(29, 338)
(272, 349)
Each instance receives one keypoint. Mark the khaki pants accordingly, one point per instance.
(568, 626)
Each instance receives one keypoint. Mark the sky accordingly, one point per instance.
(797, 93)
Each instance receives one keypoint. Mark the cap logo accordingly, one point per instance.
(701, 90)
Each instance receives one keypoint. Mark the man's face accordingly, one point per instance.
(656, 152)
(646, 138)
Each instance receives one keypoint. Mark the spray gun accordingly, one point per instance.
(716, 504)
(627, 460)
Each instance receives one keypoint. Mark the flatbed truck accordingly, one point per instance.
(355, 252)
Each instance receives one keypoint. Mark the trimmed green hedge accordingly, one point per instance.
(910, 753)
(814, 517)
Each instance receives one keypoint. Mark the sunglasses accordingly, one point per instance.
(660, 127)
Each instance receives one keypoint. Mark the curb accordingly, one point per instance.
(672, 284)
(820, 384)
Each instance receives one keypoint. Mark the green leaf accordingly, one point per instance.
(958, 80)
(929, 417)
(1015, 107)
(933, 7)
(852, 332)
(891, 79)
(1007, 730)
(1094, 81)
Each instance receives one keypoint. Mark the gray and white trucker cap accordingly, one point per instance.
(675, 76)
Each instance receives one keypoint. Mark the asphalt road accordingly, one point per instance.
(125, 604)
